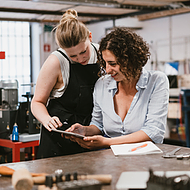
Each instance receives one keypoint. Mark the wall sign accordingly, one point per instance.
(46, 47)
(2, 54)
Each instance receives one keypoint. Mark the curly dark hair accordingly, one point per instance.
(130, 50)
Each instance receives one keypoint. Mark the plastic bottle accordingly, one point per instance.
(15, 135)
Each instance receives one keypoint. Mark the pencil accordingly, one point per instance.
(136, 148)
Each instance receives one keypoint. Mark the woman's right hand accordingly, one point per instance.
(77, 128)
(52, 123)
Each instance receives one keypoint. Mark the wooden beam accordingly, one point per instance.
(148, 3)
(160, 14)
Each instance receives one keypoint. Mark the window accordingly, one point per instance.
(15, 41)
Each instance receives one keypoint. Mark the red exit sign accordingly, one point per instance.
(2, 54)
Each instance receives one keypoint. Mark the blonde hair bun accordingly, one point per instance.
(69, 14)
(70, 31)
(72, 11)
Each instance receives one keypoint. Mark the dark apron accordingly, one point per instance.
(74, 106)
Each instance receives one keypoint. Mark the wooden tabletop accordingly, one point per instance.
(102, 162)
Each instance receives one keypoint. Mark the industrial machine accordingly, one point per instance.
(8, 106)
(12, 111)
(27, 123)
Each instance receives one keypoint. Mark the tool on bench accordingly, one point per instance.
(39, 178)
(184, 156)
(171, 154)
(178, 182)
(22, 179)
(71, 182)
(6, 171)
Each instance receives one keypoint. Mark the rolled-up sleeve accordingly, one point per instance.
(97, 118)
(156, 117)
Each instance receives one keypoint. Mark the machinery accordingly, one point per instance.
(8, 106)
(27, 123)
(12, 111)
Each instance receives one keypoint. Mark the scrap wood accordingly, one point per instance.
(6, 171)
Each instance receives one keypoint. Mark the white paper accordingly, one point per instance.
(125, 149)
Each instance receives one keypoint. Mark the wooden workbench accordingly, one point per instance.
(102, 162)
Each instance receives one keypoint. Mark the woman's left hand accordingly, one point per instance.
(93, 142)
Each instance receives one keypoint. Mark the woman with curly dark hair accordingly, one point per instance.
(130, 103)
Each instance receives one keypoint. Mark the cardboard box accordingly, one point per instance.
(183, 81)
(174, 111)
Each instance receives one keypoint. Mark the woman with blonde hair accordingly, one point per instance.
(63, 94)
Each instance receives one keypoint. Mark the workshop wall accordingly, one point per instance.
(169, 37)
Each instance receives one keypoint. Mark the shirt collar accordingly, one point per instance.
(143, 80)
(110, 82)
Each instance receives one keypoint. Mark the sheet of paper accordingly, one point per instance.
(147, 147)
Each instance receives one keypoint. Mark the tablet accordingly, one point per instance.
(68, 133)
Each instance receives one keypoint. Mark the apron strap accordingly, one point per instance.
(64, 55)
(95, 48)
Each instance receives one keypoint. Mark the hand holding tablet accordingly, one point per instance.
(68, 133)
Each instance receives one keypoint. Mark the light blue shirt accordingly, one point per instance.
(148, 110)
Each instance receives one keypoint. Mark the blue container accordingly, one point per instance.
(15, 135)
